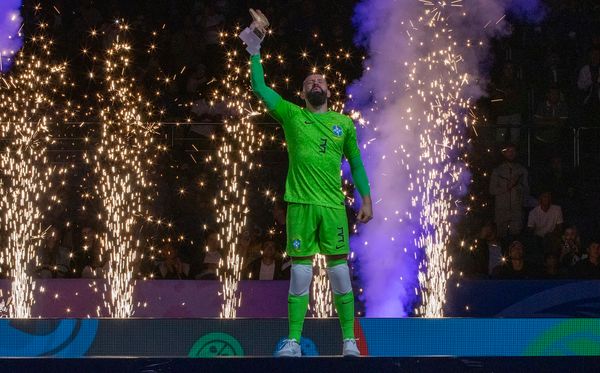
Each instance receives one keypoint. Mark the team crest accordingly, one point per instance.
(337, 131)
(296, 244)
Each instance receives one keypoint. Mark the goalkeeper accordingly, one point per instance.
(317, 139)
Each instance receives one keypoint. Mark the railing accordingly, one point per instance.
(579, 138)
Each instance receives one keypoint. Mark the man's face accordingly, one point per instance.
(279, 214)
(269, 250)
(213, 242)
(545, 200)
(594, 250)
(551, 262)
(314, 90)
(570, 234)
(245, 238)
(88, 235)
(508, 70)
(595, 57)
(52, 237)
(554, 96)
(509, 153)
(170, 253)
(516, 250)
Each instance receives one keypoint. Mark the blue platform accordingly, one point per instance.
(409, 337)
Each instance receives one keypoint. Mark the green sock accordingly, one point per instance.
(344, 305)
(297, 306)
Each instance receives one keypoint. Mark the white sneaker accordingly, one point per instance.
(289, 348)
(350, 347)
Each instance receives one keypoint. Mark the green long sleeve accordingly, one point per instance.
(359, 176)
(269, 96)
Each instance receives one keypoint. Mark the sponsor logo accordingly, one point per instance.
(216, 344)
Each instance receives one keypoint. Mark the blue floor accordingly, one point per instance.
(307, 364)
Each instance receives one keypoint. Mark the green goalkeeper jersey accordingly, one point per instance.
(316, 143)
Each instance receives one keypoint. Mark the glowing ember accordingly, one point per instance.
(25, 176)
(121, 162)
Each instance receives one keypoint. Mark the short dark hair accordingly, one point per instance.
(509, 145)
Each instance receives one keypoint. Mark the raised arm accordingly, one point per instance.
(260, 88)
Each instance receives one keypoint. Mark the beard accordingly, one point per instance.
(316, 98)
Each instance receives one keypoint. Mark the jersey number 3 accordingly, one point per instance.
(323, 146)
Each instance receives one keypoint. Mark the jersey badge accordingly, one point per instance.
(337, 131)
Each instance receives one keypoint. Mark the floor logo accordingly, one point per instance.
(216, 344)
(574, 337)
(57, 338)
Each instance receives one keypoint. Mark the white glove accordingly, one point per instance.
(254, 35)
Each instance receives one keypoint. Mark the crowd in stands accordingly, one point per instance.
(537, 206)
(536, 156)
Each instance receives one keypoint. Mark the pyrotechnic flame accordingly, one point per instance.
(440, 141)
(235, 161)
(121, 164)
(426, 108)
(26, 109)
(321, 290)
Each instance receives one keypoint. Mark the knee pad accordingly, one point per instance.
(339, 277)
(301, 276)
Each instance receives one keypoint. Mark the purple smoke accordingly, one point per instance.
(388, 254)
(10, 37)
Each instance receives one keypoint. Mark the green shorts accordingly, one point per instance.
(313, 229)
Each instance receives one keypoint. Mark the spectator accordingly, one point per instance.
(515, 268)
(551, 267)
(248, 248)
(172, 267)
(269, 266)
(507, 105)
(589, 268)
(510, 186)
(557, 179)
(545, 218)
(196, 81)
(554, 74)
(210, 266)
(277, 232)
(54, 258)
(212, 23)
(571, 251)
(588, 83)
(549, 122)
(488, 251)
(204, 267)
(545, 224)
(89, 261)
